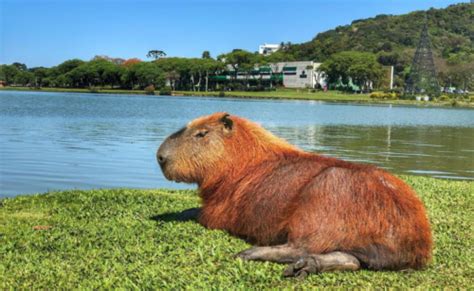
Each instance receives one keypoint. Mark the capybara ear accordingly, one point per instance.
(228, 123)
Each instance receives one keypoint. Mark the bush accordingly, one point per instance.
(166, 91)
(444, 97)
(93, 89)
(221, 93)
(150, 90)
(384, 96)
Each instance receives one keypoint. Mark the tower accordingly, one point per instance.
(422, 78)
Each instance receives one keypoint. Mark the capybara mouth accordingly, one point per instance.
(168, 175)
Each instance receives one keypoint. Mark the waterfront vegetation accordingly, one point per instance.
(132, 239)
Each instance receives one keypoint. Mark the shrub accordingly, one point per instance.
(93, 89)
(221, 93)
(444, 97)
(384, 96)
(166, 91)
(150, 90)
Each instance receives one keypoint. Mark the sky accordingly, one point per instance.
(48, 32)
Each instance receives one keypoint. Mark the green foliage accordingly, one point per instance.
(24, 78)
(358, 67)
(394, 39)
(451, 31)
(384, 95)
(112, 239)
(67, 66)
(206, 55)
(166, 91)
(240, 60)
(8, 73)
(93, 89)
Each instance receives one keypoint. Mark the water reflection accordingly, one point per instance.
(51, 141)
(435, 151)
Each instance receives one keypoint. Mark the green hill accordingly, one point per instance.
(393, 38)
(451, 30)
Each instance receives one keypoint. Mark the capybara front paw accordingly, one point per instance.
(248, 254)
(303, 267)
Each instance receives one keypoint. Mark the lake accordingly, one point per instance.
(55, 141)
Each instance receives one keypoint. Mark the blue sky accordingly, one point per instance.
(47, 32)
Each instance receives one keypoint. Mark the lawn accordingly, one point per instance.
(297, 94)
(113, 238)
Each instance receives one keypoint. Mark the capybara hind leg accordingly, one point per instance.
(335, 261)
(278, 254)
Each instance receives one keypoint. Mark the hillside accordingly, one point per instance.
(451, 30)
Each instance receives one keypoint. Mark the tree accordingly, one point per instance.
(142, 75)
(8, 73)
(156, 54)
(240, 61)
(359, 67)
(20, 66)
(67, 66)
(206, 55)
(131, 62)
(24, 78)
(40, 73)
(462, 76)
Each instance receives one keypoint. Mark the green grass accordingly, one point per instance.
(108, 239)
(286, 94)
(297, 94)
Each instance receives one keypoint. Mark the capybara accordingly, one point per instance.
(313, 212)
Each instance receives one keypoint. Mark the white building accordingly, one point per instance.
(266, 49)
(302, 74)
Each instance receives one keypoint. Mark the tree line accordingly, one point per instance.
(181, 73)
(105, 72)
(363, 69)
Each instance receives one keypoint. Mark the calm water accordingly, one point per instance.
(52, 141)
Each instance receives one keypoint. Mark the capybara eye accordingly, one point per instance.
(201, 133)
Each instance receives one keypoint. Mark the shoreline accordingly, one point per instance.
(282, 94)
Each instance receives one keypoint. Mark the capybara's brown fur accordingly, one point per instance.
(257, 186)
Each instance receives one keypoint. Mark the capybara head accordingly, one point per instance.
(189, 153)
(214, 145)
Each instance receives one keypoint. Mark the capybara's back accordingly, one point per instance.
(315, 212)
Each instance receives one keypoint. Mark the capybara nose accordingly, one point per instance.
(161, 159)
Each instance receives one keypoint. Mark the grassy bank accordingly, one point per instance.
(285, 94)
(113, 238)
